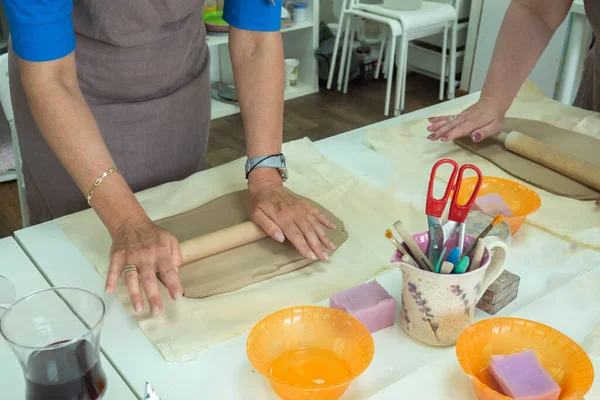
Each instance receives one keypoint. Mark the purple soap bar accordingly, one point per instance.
(369, 303)
(522, 377)
(492, 204)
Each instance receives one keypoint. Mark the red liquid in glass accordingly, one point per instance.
(71, 372)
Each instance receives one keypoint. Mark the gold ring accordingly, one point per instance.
(453, 117)
(130, 268)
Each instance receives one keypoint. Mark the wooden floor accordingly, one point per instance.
(316, 116)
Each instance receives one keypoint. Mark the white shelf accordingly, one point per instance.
(220, 109)
(219, 40)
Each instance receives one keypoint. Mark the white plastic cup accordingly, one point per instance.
(291, 72)
(299, 12)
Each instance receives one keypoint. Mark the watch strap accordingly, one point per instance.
(272, 161)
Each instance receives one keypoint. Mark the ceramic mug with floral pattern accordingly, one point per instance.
(437, 308)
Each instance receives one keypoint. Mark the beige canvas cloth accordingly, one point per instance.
(412, 156)
(187, 326)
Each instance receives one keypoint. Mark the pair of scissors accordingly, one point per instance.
(458, 213)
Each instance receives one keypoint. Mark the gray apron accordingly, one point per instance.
(143, 67)
(588, 96)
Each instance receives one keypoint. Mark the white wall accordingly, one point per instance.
(545, 72)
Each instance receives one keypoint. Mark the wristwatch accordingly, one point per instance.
(274, 161)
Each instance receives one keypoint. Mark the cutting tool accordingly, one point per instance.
(457, 214)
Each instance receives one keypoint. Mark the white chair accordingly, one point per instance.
(348, 16)
(8, 111)
(432, 18)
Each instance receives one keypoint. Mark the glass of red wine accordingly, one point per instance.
(55, 334)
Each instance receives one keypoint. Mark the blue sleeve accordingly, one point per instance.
(40, 30)
(253, 15)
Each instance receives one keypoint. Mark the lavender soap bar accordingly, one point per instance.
(369, 303)
(492, 204)
(522, 377)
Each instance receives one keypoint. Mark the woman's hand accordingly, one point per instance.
(481, 120)
(153, 251)
(283, 215)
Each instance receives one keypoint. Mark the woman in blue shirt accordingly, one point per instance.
(128, 108)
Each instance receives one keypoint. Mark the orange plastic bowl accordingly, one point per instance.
(318, 329)
(522, 200)
(568, 364)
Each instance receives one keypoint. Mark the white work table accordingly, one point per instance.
(549, 269)
(18, 268)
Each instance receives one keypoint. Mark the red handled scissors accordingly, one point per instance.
(458, 213)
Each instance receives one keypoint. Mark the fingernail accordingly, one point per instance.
(476, 136)
(326, 256)
(279, 237)
(430, 119)
(332, 246)
(177, 295)
(445, 139)
(430, 128)
(312, 256)
(106, 289)
(155, 310)
(333, 226)
(430, 136)
(138, 307)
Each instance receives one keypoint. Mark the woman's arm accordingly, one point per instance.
(68, 126)
(44, 41)
(256, 52)
(526, 30)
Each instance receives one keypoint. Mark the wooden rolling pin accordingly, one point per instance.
(219, 241)
(564, 163)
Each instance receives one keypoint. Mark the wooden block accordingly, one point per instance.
(494, 308)
(500, 293)
(506, 283)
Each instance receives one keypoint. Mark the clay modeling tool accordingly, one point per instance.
(453, 256)
(461, 266)
(447, 268)
(483, 234)
(458, 212)
(477, 256)
(550, 157)
(438, 263)
(417, 253)
(401, 249)
(220, 241)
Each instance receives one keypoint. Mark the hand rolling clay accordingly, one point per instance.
(522, 377)
(224, 251)
(369, 303)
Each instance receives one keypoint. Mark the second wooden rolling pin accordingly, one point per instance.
(219, 241)
(549, 156)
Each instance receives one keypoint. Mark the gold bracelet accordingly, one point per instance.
(106, 173)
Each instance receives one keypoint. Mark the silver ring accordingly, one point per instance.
(130, 268)
(453, 117)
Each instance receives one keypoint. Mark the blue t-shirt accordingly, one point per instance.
(42, 30)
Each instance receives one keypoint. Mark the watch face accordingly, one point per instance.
(283, 170)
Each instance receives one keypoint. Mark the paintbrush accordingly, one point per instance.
(401, 249)
(418, 255)
(483, 234)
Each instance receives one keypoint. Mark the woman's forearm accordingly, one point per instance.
(69, 128)
(526, 30)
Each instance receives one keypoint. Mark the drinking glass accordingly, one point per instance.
(55, 335)
(7, 294)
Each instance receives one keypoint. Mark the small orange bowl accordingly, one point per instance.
(310, 352)
(568, 364)
(522, 200)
